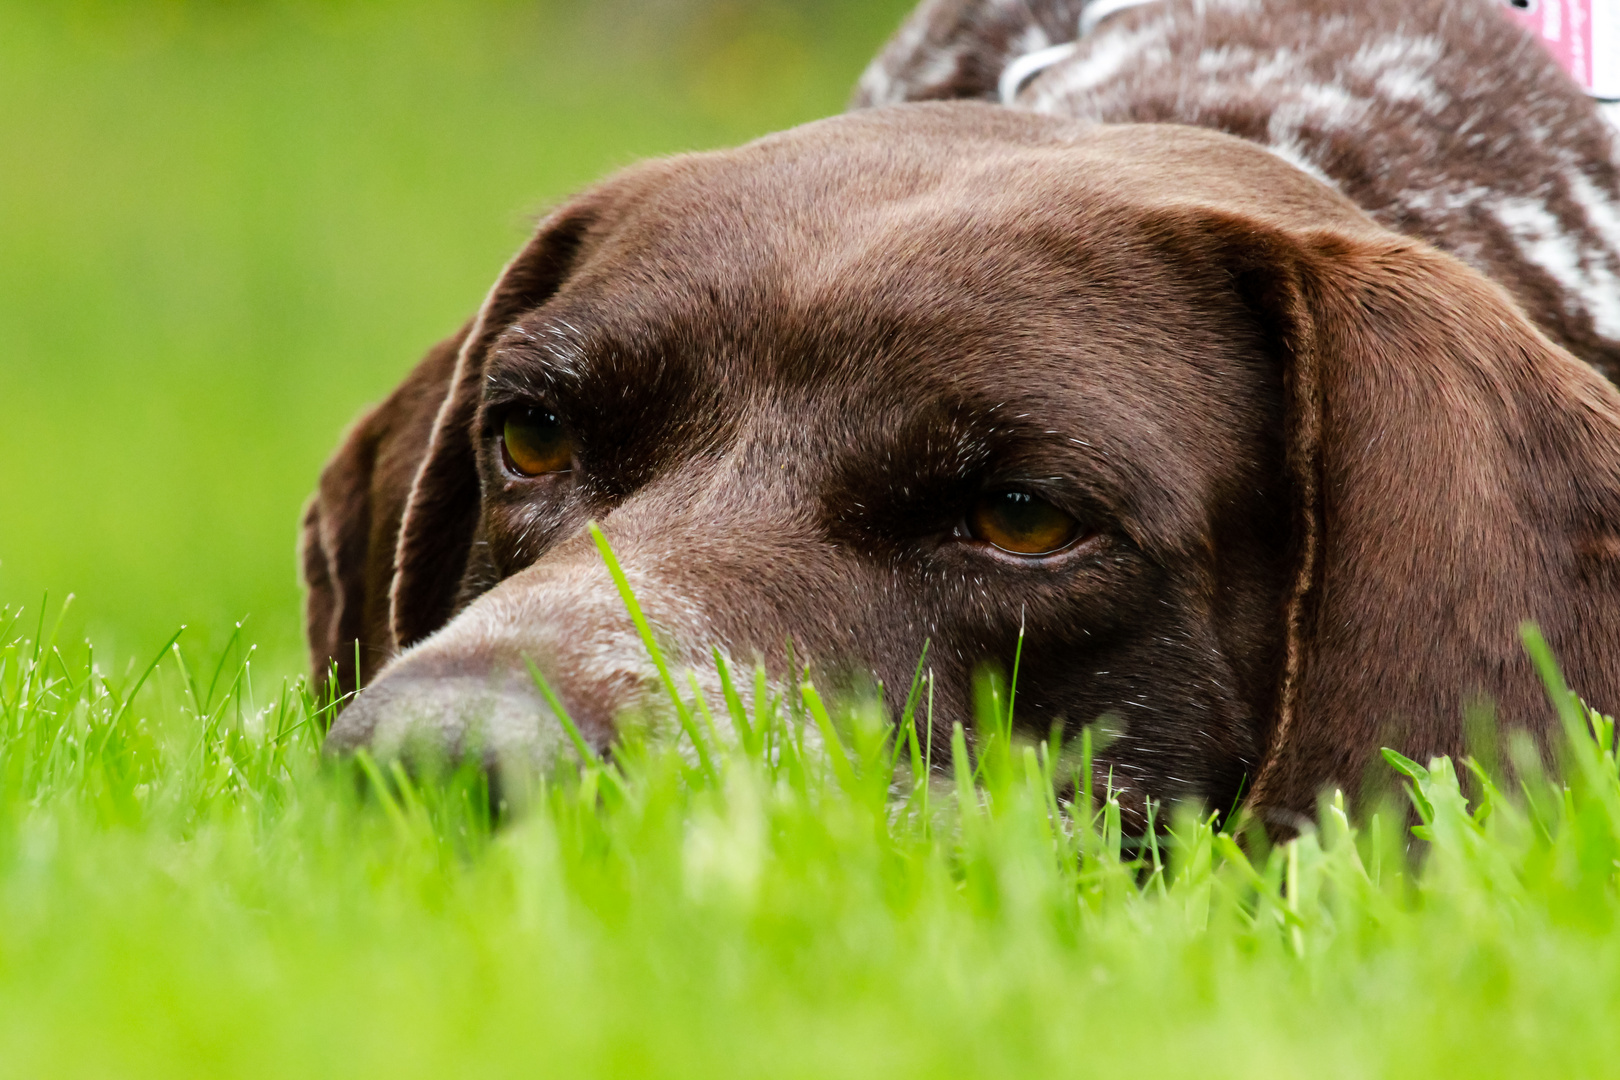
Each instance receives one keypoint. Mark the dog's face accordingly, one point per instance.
(930, 375)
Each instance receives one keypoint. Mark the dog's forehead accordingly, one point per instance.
(914, 305)
(913, 216)
(828, 183)
(905, 238)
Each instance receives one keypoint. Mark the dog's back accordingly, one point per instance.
(1441, 118)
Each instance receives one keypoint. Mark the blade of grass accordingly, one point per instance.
(586, 753)
(379, 786)
(1012, 687)
(829, 736)
(39, 629)
(928, 757)
(702, 706)
(734, 705)
(966, 796)
(129, 699)
(908, 715)
(224, 654)
(682, 715)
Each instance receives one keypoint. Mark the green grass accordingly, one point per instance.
(187, 889)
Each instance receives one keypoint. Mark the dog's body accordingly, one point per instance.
(1306, 475)
(1441, 119)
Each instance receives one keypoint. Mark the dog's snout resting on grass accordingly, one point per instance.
(1267, 484)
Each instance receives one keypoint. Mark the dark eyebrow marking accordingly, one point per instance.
(914, 467)
(916, 471)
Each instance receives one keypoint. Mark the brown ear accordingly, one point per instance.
(1454, 474)
(441, 513)
(352, 523)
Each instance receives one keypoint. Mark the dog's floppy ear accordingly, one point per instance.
(1453, 473)
(351, 524)
(441, 514)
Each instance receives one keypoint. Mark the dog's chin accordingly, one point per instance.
(498, 722)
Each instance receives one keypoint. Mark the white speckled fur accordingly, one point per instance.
(1583, 272)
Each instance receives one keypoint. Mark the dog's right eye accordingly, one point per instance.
(1021, 524)
(533, 443)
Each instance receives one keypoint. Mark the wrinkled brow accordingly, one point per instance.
(526, 361)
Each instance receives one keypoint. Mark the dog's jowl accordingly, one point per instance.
(1265, 482)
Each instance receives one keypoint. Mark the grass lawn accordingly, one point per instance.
(227, 225)
(185, 889)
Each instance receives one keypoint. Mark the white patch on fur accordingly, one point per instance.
(1400, 68)
(1376, 57)
(1033, 39)
(1601, 212)
(1413, 85)
(1106, 59)
(1293, 152)
(1328, 105)
(1442, 200)
(1282, 65)
(1283, 131)
(1604, 217)
(876, 86)
(1026, 67)
(1225, 58)
(1585, 277)
(940, 67)
(877, 81)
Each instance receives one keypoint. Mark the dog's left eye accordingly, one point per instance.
(533, 442)
(1021, 523)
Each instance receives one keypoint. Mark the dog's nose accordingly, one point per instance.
(468, 692)
(496, 719)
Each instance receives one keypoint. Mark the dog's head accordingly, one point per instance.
(1264, 483)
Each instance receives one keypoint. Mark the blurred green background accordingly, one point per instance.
(225, 227)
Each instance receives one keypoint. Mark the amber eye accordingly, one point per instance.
(1021, 523)
(534, 442)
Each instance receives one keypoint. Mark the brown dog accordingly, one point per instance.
(1267, 482)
